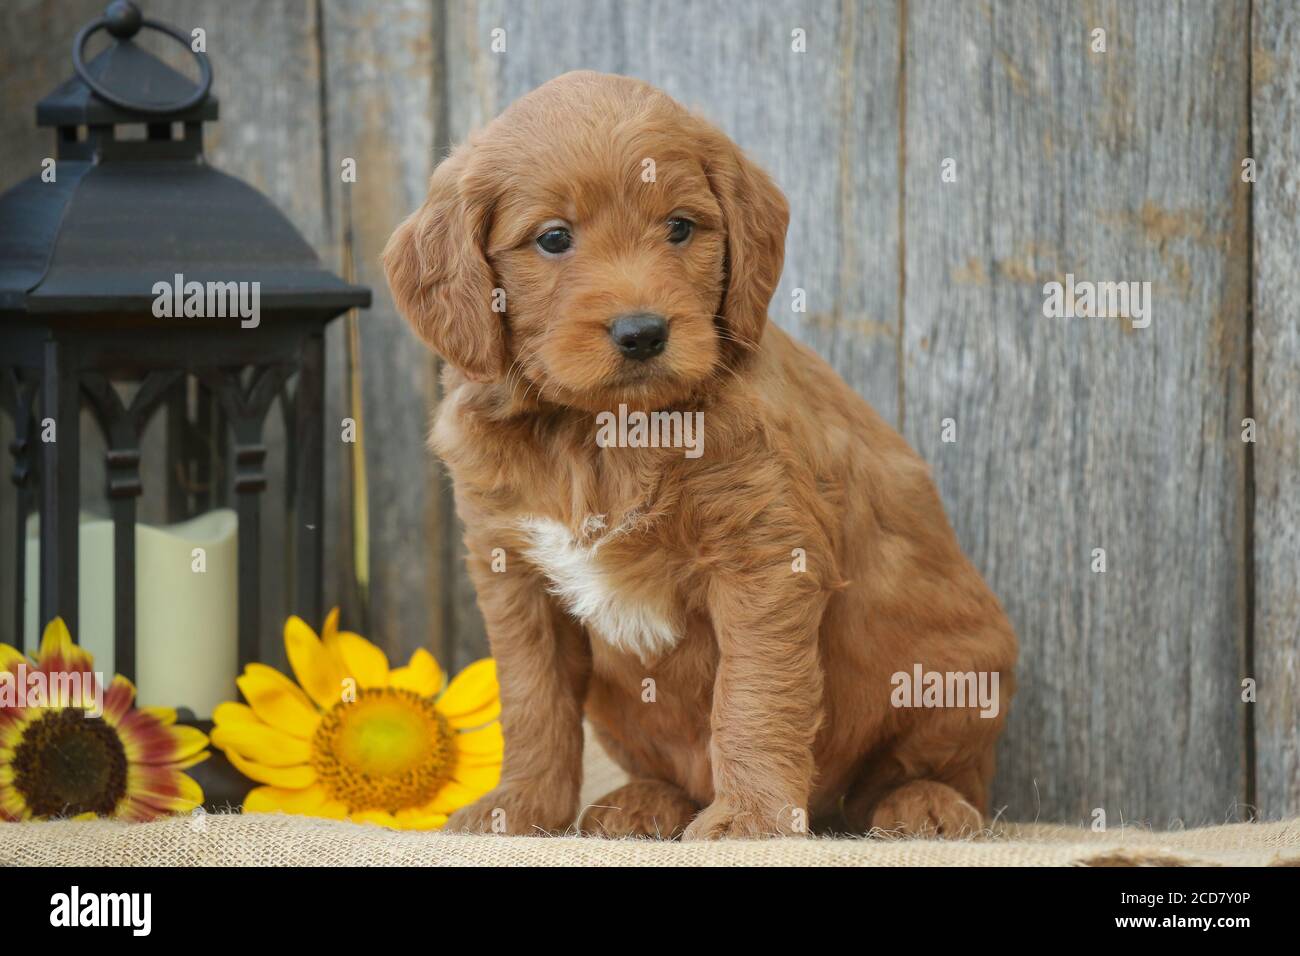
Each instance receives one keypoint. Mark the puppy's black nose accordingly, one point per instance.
(639, 335)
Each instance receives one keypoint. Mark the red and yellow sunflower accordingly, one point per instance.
(59, 759)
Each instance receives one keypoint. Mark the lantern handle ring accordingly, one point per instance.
(104, 93)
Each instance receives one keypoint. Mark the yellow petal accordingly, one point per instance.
(229, 713)
(187, 741)
(142, 744)
(453, 796)
(305, 802)
(331, 628)
(419, 819)
(292, 778)
(190, 796)
(333, 810)
(379, 817)
(11, 657)
(57, 640)
(192, 760)
(278, 701)
(471, 698)
(485, 743)
(317, 670)
(11, 731)
(263, 744)
(367, 663)
(481, 778)
(164, 715)
(422, 675)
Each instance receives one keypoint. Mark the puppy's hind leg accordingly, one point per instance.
(652, 808)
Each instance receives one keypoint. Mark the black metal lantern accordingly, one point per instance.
(85, 252)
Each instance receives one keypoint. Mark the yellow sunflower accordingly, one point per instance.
(355, 740)
(56, 760)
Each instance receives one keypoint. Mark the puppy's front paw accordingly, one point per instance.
(515, 811)
(730, 818)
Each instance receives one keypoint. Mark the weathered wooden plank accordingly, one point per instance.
(267, 78)
(382, 106)
(823, 122)
(36, 50)
(1078, 434)
(1275, 102)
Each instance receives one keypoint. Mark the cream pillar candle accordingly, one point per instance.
(186, 606)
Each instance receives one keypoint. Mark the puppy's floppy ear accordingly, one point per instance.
(755, 215)
(441, 281)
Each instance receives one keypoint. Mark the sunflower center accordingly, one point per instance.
(389, 750)
(67, 763)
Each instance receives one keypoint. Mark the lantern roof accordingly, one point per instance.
(112, 216)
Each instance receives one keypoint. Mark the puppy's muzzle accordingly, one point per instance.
(639, 335)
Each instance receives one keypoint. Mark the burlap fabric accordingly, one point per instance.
(258, 840)
(232, 840)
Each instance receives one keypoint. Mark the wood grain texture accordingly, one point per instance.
(1075, 434)
(1276, 146)
(383, 108)
(267, 81)
(36, 53)
(823, 122)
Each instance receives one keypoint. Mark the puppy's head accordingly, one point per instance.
(597, 243)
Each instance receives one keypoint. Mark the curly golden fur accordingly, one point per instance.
(746, 689)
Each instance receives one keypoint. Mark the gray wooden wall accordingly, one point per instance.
(927, 296)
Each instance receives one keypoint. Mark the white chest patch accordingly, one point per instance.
(626, 621)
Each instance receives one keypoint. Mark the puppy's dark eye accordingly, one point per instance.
(555, 241)
(679, 230)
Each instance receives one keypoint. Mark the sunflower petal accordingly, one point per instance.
(378, 817)
(168, 790)
(11, 731)
(419, 819)
(135, 809)
(118, 699)
(333, 810)
(484, 743)
(453, 796)
(11, 657)
(472, 696)
(164, 715)
(228, 713)
(186, 741)
(56, 641)
(263, 744)
(278, 701)
(146, 741)
(364, 661)
(481, 778)
(317, 670)
(191, 761)
(12, 806)
(305, 802)
(422, 675)
(291, 778)
(58, 652)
